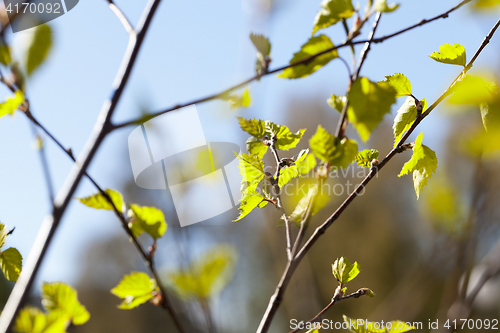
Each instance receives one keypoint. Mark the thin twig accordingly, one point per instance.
(306, 60)
(50, 224)
(121, 16)
(290, 268)
(364, 53)
(335, 300)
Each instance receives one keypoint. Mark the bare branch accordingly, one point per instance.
(121, 16)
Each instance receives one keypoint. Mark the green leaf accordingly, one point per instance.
(453, 54)
(135, 289)
(98, 201)
(286, 140)
(256, 147)
(400, 83)
(12, 103)
(147, 219)
(314, 45)
(381, 6)
(473, 90)
(364, 326)
(314, 196)
(287, 173)
(423, 164)
(368, 103)
(207, 276)
(11, 263)
(250, 200)
(365, 157)
(238, 101)
(261, 43)
(62, 299)
(330, 149)
(254, 127)
(33, 320)
(485, 4)
(39, 48)
(5, 58)
(336, 102)
(332, 12)
(407, 114)
(251, 169)
(344, 271)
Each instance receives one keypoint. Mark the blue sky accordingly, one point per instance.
(193, 49)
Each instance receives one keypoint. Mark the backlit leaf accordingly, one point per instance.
(328, 148)
(286, 140)
(11, 263)
(135, 289)
(453, 54)
(473, 90)
(287, 173)
(407, 114)
(400, 83)
(206, 276)
(238, 101)
(250, 200)
(314, 45)
(39, 48)
(423, 164)
(12, 103)
(344, 271)
(368, 103)
(147, 219)
(336, 102)
(33, 320)
(332, 11)
(98, 201)
(261, 43)
(61, 298)
(256, 147)
(365, 157)
(314, 196)
(383, 7)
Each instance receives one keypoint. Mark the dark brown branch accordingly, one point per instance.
(348, 42)
(290, 268)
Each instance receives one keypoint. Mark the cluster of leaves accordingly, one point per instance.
(62, 308)
(11, 260)
(38, 49)
(138, 287)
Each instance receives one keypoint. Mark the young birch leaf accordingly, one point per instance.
(365, 157)
(261, 43)
(61, 298)
(383, 7)
(400, 83)
(98, 201)
(286, 140)
(453, 54)
(485, 4)
(12, 103)
(368, 103)
(423, 164)
(344, 271)
(254, 127)
(473, 90)
(332, 12)
(256, 147)
(336, 102)
(3, 234)
(135, 289)
(251, 169)
(330, 149)
(250, 200)
(33, 320)
(407, 114)
(11, 263)
(207, 276)
(314, 196)
(147, 219)
(235, 101)
(313, 46)
(287, 173)
(39, 48)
